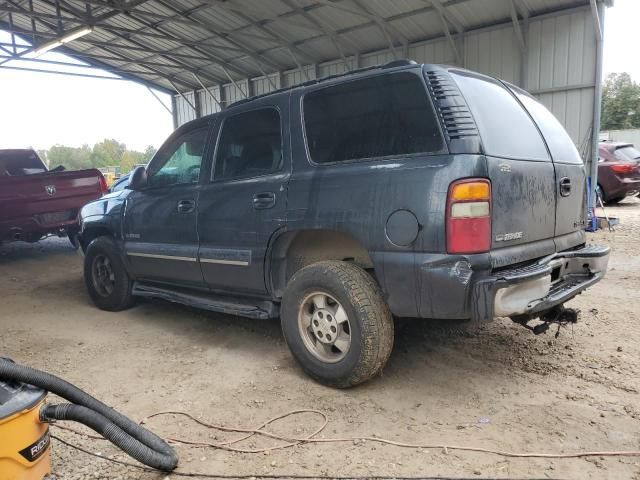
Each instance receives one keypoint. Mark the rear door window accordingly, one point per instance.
(506, 129)
(374, 117)
(562, 148)
(250, 145)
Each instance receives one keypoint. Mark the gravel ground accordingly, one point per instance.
(497, 386)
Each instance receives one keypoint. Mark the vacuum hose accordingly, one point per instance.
(136, 441)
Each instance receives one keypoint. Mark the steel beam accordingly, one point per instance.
(445, 28)
(330, 33)
(597, 97)
(58, 72)
(208, 91)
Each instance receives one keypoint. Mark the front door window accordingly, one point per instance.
(180, 161)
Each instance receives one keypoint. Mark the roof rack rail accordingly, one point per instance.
(392, 64)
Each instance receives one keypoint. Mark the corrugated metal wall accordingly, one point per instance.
(558, 67)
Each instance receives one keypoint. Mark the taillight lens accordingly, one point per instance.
(103, 185)
(624, 168)
(469, 216)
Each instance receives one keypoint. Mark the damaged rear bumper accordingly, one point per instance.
(535, 288)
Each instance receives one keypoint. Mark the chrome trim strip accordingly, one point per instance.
(224, 262)
(163, 257)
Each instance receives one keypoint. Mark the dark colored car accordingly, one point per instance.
(618, 171)
(404, 190)
(120, 184)
(35, 201)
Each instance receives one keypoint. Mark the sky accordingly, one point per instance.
(41, 110)
(620, 38)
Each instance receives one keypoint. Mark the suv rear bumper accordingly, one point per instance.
(540, 286)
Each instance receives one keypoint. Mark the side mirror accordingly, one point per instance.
(138, 178)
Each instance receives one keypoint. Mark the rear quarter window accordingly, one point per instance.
(505, 127)
(379, 116)
(627, 154)
(562, 148)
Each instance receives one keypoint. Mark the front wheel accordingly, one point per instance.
(336, 323)
(105, 276)
(614, 201)
(74, 239)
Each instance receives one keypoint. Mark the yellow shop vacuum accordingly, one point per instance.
(25, 418)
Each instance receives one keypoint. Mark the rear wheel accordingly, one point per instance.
(336, 323)
(105, 276)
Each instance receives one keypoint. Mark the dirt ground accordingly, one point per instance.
(497, 387)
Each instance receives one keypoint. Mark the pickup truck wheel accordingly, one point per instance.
(336, 323)
(74, 239)
(106, 278)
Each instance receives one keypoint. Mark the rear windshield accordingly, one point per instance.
(562, 148)
(20, 162)
(505, 127)
(627, 154)
(370, 118)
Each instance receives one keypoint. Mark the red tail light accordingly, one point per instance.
(103, 185)
(624, 168)
(469, 216)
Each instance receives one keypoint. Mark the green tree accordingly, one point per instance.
(129, 159)
(620, 102)
(107, 153)
(149, 152)
(72, 158)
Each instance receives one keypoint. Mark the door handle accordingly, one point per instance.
(565, 187)
(264, 200)
(186, 206)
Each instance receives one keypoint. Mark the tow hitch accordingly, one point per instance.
(558, 315)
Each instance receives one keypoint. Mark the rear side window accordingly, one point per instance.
(626, 154)
(250, 145)
(370, 118)
(562, 148)
(505, 127)
(20, 162)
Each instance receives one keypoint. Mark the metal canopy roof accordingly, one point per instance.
(176, 45)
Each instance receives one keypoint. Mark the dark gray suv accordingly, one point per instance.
(404, 190)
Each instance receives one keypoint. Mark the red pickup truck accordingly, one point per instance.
(36, 202)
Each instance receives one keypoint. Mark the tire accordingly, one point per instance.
(368, 325)
(74, 239)
(102, 252)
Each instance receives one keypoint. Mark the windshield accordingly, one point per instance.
(627, 154)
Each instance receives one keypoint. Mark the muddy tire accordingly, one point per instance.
(105, 276)
(336, 323)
